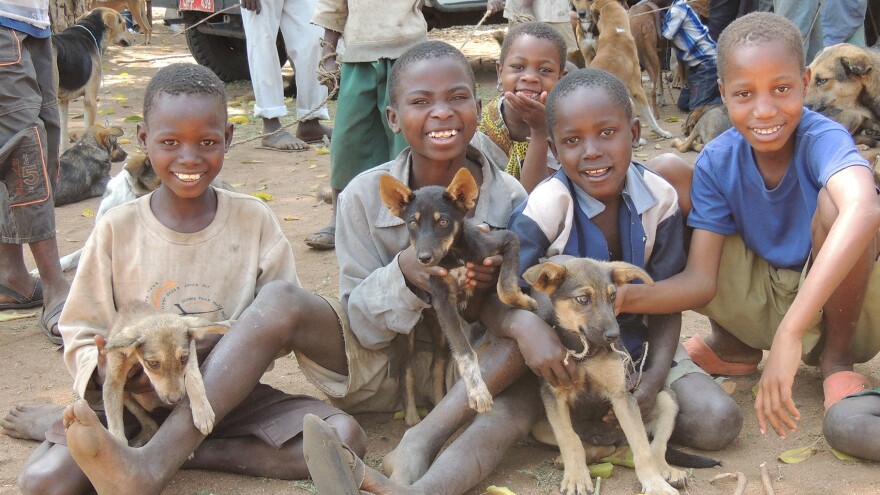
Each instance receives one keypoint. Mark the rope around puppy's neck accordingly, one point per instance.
(100, 61)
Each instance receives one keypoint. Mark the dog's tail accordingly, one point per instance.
(684, 459)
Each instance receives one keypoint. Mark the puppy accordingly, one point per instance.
(845, 86)
(139, 13)
(435, 218)
(85, 167)
(165, 345)
(701, 126)
(585, 31)
(616, 53)
(576, 296)
(79, 51)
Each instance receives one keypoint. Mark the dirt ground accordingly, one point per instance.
(33, 370)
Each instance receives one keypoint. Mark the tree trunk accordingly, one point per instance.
(63, 13)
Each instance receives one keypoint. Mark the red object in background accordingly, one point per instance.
(200, 5)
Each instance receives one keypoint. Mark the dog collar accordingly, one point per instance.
(92, 36)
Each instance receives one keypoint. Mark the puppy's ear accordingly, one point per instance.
(129, 339)
(198, 327)
(545, 277)
(137, 164)
(463, 189)
(106, 136)
(859, 65)
(395, 195)
(622, 273)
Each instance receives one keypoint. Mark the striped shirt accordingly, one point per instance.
(683, 27)
(27, 16)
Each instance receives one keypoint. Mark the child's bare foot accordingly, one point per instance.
(110, 465)
(410, 460)
(30, 421)
(312, 130)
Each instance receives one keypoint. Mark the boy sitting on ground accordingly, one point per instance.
(603, 206)
(786, 233)
(434, 105)
(189, 249)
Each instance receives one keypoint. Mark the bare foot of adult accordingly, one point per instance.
(111, 466)
(283, 141)
(30, 421)
(312, 130)
(410, 460)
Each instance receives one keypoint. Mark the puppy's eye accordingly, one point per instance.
(413, 224)
(153, 365)
(583, 299)
(443, 222)
(820, 81)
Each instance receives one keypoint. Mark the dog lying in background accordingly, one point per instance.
(79, 51)
(85, 167)
(442, 236)
(845, 86)
(577, 295)
(702, 125)
(616, 53)
(138, 9)
(165, 345)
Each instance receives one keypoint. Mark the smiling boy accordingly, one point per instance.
(785, 242)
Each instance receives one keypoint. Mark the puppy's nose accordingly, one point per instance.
(424, 257)
(611, 336)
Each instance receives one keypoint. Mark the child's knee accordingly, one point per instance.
(350, 432)
(35, 478)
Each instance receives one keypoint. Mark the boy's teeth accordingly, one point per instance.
(596, 172)
(188, 177)
(767, 131)
(443, 134)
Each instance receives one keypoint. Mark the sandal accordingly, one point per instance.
(22, 301)
(50, 319)
(271, 141)
(323, 239)
(334, 468)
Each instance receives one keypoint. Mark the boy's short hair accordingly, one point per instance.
(184, 79)
(587, 78)
(540, 30)
(426, 50)
(759, 28)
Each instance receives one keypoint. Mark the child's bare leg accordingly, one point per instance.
(30, 421)
(853, 426)
(251, 456)
(501, 364)
(282, 317)
(677, 172)
(708, 418)
(841, 312)
(51, 469)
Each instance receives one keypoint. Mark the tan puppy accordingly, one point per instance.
(616, 53)
(139, 13)
(165, 345)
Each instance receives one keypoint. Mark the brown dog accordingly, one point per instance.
(702, 125)
(139, 12)
(85, 166)
(845, 86)
(644, 21)
(165, 345)
(79, 51)
(616, 53)
(576, 295)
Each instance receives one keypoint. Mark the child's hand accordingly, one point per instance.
(773, 402)
(415, 273)
(531, 111)
(542, 350)
(137, 381)
(483, 276)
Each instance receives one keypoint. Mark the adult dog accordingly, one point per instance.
(85, 166)
(576, 296)
(616, 53)
(79, 51)
(644, 21)
(138, 9)
(845, 86)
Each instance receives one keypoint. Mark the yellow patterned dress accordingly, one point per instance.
(492, 124)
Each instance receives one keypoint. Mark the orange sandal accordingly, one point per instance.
(841, 384)
(706, 358)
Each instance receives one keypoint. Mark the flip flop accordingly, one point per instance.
(842, 384)
(334, 468)
(319, 240)
(705, 358)
(49, 320)
(273, 140)
(22, 301)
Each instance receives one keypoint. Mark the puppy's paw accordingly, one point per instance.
(658, 486)
(203, 415)
(675, 477)
(479, 399)
(576, 483)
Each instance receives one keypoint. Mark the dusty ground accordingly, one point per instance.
(33, 370)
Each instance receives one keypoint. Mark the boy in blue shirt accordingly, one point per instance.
(785, 242)
(601, 205)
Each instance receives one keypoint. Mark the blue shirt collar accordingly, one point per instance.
(635, 189)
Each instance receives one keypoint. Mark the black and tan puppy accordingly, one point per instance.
(442, 236)
(576, 296)
(165, 345)
(79, 52)
(85, 166)
(702, 125)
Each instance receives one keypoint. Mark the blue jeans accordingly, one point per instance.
(702, 87)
